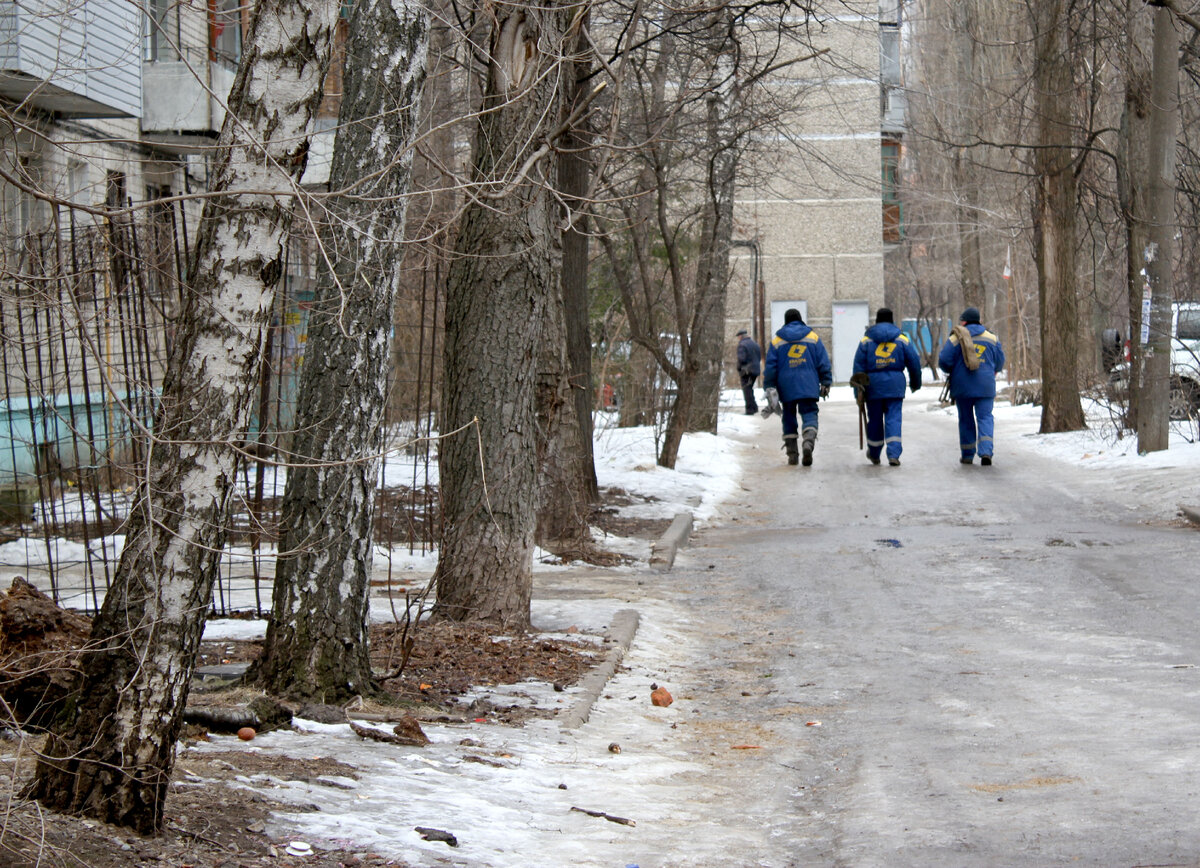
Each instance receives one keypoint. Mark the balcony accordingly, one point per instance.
(75, 58)
(183, 105)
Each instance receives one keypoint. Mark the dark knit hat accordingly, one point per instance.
(741, 332)
(792, 315)
(970, 315)
(884, 314)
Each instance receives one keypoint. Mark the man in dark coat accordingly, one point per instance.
(749, 365)
(884, 354)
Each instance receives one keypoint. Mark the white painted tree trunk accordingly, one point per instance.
(111, 753)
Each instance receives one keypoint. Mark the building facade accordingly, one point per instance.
(813, 228)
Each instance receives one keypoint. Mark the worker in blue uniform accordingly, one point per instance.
(799, 372)
(884, 354)
(972, 356)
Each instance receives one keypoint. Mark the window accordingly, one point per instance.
(27, 212)
(889, 56)
(162, 30)
(158, 240)
(114, 190)
(77, 182)
(225, 29)
(890, 169)
(1188, 327)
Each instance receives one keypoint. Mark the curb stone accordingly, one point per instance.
(662, 554)
(621, 631)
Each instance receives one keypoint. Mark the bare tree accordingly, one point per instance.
(1153, 421)
(1055, 208)
(699, 95)
(504, 272)
(317, 638)
(110, 754)
(569, 486)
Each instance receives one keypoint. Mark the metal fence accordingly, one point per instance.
(87, 315)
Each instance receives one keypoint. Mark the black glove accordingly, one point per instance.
(824, 390)
(916, 387)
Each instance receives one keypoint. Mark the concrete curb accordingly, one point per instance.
(1191, 513)
(662, 554)
(621, 631)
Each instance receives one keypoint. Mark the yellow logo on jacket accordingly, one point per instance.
(796, 352)
(883, 352)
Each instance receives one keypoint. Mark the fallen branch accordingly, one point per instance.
(226, 720)
(436, 835)
(622, 820)
(408, 733)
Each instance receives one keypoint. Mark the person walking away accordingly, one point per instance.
(884, 354)
(749, 366)
(972, 356)
(798, 371)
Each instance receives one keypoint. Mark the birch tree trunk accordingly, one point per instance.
(1154, 427)
(505, 268)
(317, 638)
(1055, 216)
(110, 754)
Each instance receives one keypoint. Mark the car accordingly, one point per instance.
(1185, 360)
(1185, 363)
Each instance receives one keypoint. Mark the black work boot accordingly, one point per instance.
(789, 443)
(810, 440)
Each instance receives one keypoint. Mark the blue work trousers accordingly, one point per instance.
(806, 407)
(883, 426)
(975, 425)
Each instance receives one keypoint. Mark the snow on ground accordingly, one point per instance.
(1153, 485)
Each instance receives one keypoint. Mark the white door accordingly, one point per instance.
(778, 309)
(850, 320)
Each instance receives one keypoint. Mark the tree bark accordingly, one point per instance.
(569, 485)
(574, 174)
(562, 520)
(505, 268)
(317, 638)
(707, 327)
(964, 30)
(110, 754)
(1133, 182)
(1055, 218)
(1154, 428)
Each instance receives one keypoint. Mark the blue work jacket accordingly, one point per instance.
(884, 354)
(980, 383)
(797, 364)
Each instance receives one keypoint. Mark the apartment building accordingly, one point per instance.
(114, 108)
(812, 232)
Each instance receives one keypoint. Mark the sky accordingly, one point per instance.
(519, 815)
